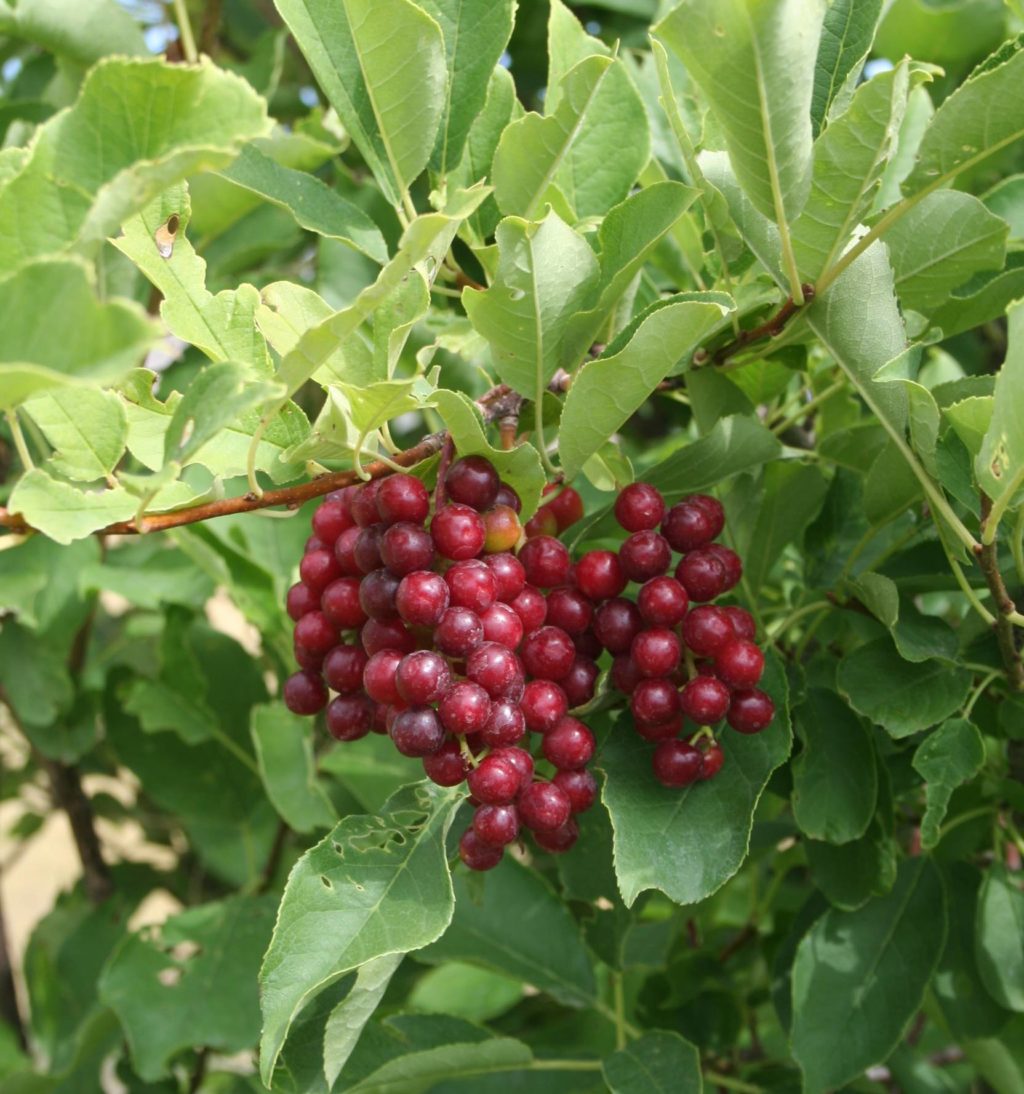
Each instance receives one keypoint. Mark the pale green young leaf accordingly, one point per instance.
(607, 391)
(846, 35)
(916, 119)
(65, 512)
(1000, 462)
(373, 886)
(659, 1062)
(81, 34)
(466, 991)
(947, 757)
(865, 972)
(985, 298)
(999, 943)
(87, 429)
(475, 35)
(74, 190)
(430, 1067)
(381, 64)
(1006, 200)
(755, 64)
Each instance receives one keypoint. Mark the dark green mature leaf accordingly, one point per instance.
(373, 886)
(865, 973)
(835, 783)
(689, 842)
(518, 926)
(381, 64)
(999, 942)
(420, 1071)
(755, 64)
(167, 1004)
(657, 1063)
(846, 35)
(849, 874)
(947, 757)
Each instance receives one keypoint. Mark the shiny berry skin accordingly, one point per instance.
(520, 759)
(402, 498)
(507, 496)
(568, 746)
(495, 668)
(406, 547)
(465, 708)
(739, 664)
(639, 507)
(510, 575)
(531, 607)
(316, 632)
(366, 552)
(417, 732)
(330, 519)
(340, 602)
(705, 700)
(616, 623)
(502, 625)
(548, 653)
(750, 711)
(542, 523)
(599, 575)
(742, 622)
(713, 508)
(473, 481)
(567, 507)
(662, 602)
(301, 600)
(702, 575)
(350, 717)
(677, 763)
(660, 731)
(505, 725)
(546, 562)
(707, 629)
(654, 702)
(494, 781)
(570, 610)
(497, 825)
(656, 652)
(345, 551)
(363, 504)
(580, 681)
(458, 532)
(579, 786)
(308, 659)
(318, 569)
(477, 855)
(344, 495)
(304, 693)
(379, 677)
(390, 634)
(543, 704)
(625, 674)
(422, 677)
(315, 543)
(730, 561)
(543, 807)
(377, 594)
(687, 526)
(459, 632)
(447, 766)
(343, 669)
(645, 555)
(472, 584)
(421, 598)
(714, 757)
(558, 840)
(501, 529)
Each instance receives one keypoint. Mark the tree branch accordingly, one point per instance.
(988, 559)
(10, 1012)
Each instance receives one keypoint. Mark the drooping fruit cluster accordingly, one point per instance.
(429, 629)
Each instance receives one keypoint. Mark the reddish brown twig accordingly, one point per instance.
(988, 561)
(771, 327)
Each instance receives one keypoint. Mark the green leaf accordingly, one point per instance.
(865, 973)
(849, 874)
(846, 36)
(500, 929)
(373, 886)
(80, 35)
(940, 243)
(583, 158)
(657, 1063)
(984, 299)
(546, 274)
(423, 1070)
(381, 64)
(916, 119)
(73, 190)
(849, 158)
(689, 842)
(901, 696)
(947, 757)
(999, 463)
(466, 991)
(315, 206)
(475, 35)
(284, 752)
(606, 392)
(755, 64)
(88, 430)
(1006, 200)
(167, 1003)
(39, 305)
(371, 773)
(64, 512)
(999, 943)
(835, 782)
(33, 674)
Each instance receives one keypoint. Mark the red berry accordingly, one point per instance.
(570, 610)
(567, 507)
(713, 508)
(473, 481)
(543, 704)
(663, 602)
(639, 507)
(656, 652)
(599, 575)
(548, 653)
(314, 543)
(417, 732)
(731, 564)
(505, 725)
(750, 711)
(389, 634)
(558, 840)
(345, 551)
(616, 623)
(510, 575)
(625, 674)
(494, 781)
(702, 575)
(422, 677)
(531, 607)
(301, 600)
(739, 664)
(502, 625)
(459, 632)
(497, 825)
(542, 523)
(343, 668)
(318, 569)
(465, 708)
(654, 702)
(422, 598)
(714, 757)
(367, 552)
(447, 766)
(507, 496)
(543, 807)
(569, 745)
(402, 498)
(677, 763)
(472, 584)
(308, 659)
(350, 717)
(476, 854)
(458, 532)
(546, 561)
(495, 668)
(742, 622)
(379, 677)
(579, 786)
(406, 547)
(687, 526)
(377, 593)
(363, 504)
(705, 700)
(587, 645)
(521, 760)
(316, 632)
(330, 519)
(707, 629)
(304, 693)
(660, 731)
(341, 604)
(580, 681)
(501, 529)
(645, 555)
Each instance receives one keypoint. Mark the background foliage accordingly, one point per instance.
(327, 237)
